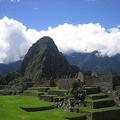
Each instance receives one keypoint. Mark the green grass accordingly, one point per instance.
(10, 109)
(88, 109)
(58, 89)
(89, 87)
(49, 95)
(34, 91)
(51, 89)
(97, 94)
(37, 88)
(97, 100)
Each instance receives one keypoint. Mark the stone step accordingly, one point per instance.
(100, 103)
(92, 90)
(97, 96)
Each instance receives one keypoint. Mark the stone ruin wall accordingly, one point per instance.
(107, 81)
(104, 81)
(116, 82)
(65, 83)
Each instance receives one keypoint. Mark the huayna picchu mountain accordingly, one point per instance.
(44, 61)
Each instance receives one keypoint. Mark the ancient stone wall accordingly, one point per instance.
(116, 81)
(105, 81)
(65, 83)
(4, 87)
(105, 115)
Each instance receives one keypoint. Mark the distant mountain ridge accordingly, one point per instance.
(92, 62)
(10, 67)
(85, 61)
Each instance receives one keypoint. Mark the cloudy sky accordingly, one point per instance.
(75, 26)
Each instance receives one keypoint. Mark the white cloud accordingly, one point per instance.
(13, 41)
(82, 38)
(15, 38)
(15, 1)
(12, 0)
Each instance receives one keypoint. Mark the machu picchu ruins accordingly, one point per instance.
(59, 60)
(51, 80)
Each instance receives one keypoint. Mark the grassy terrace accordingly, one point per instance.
(97, 94)
(98, 100)
(53, 88)
(34, 91)
(88, 109)
(49, 95)
(106, 98)
(10, 109)
(36, 88)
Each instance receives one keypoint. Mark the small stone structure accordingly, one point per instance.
(108, 80)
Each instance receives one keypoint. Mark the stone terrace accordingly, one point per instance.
(99, 106)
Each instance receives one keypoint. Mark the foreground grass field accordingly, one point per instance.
(10, 109)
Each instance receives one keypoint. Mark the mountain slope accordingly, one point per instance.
(90, 61)
(44, 61)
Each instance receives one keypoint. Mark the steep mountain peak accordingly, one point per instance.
(45, 39)
(44, 43)
(44, 61)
